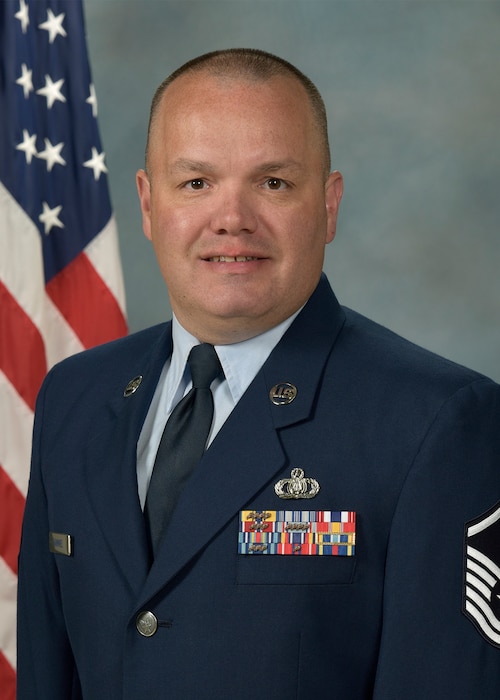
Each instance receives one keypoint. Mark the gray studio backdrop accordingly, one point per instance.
(413, 93)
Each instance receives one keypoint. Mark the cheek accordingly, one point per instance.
(305, 236)
(171, 231)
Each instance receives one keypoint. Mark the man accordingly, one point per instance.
(339, 536)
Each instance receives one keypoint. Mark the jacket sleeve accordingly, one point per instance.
(430, 648)
(45, 666)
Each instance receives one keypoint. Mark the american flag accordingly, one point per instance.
(61, 286)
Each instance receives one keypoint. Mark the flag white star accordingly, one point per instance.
(96, 163)
(92, 99)
(52, 154)
(23, 15)
(26, 80)
(53, 25)
(27, 145)
(50, 217)
(52, 91)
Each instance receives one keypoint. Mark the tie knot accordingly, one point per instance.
(204, 365)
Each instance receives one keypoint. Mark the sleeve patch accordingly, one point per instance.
(481, 598)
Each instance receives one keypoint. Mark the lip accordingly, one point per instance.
(232, 258)
(233, 264)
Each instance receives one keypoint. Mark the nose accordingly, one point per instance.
(234, 211)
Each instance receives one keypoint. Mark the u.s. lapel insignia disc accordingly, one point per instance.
(298, 486)
(283, 394)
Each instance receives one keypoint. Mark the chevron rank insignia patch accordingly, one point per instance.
(298, 532)
(481, 602)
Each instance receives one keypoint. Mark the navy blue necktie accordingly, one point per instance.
(183, 442)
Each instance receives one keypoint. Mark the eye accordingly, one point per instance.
(197, 184)
(275, 183)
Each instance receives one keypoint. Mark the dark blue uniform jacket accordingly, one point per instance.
(406, 441)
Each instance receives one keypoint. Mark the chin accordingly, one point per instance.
(235, 312)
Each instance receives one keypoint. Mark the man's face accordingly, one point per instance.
(237, 203)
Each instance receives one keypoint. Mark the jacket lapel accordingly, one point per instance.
(111, 465)
(224, 480)
(247, 455)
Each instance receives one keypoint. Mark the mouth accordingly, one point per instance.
(231, 258)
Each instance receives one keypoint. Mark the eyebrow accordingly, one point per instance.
(185, 165)
(275, 166)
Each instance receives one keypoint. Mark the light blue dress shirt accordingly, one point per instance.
(240, 362)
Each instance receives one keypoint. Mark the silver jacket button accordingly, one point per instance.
(146, 623)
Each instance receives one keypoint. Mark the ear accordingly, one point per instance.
(144, 192)
(334, 189)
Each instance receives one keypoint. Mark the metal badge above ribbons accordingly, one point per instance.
(298, 486)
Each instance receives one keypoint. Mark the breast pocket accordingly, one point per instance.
(296, 547)
(294, 571)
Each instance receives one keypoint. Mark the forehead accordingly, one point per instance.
(234, 113)
(200, 102)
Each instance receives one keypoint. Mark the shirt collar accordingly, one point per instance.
(240, 361)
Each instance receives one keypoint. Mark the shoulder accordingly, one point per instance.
(110, 366)
(371, 354)
(115, 352)
(387, 350)
(385, 368)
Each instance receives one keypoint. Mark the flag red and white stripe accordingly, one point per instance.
(61, 287)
